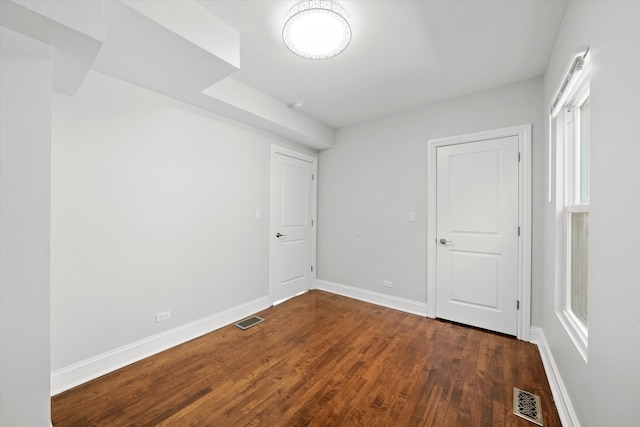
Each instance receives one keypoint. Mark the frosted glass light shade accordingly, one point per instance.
(316, 29)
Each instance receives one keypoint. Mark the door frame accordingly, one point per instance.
(278, 150)
(523, 132)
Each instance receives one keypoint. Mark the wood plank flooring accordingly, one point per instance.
(320, 360)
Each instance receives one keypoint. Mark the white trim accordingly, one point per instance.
(576, 331)
(389, 301)
(276, 149)
(567, 414)
(86, 370)
(523, 132)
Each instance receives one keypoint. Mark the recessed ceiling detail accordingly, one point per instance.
(316, 29)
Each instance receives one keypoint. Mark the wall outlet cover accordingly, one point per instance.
(161, 317)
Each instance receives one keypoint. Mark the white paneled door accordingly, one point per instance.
(292, 226)
(477, 233)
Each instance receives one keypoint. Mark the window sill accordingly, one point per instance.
(577, 332)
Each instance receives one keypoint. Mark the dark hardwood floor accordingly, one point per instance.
(323, 360)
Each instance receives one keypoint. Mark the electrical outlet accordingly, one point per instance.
(161, 317)
(387, 284)
(412, 217)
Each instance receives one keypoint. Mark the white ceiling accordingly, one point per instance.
(403, 54)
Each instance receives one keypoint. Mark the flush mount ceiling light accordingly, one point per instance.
(316, 29)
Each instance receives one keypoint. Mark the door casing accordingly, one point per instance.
(523, 132)
(273, 227)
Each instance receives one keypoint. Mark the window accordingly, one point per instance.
(570, 116)
(577, 209)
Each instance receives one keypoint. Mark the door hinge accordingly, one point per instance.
(518, 230)
(518, 305)
(313, 176)
(312, 268)
(519, 157)
(312, 223)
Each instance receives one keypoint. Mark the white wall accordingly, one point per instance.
(153, 209)
(603, 391)
(25, 88)
(377, 173)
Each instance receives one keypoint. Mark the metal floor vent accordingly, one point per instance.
(527, 405)
(249, 322)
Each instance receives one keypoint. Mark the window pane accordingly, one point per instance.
(579, 263)
(584, 152)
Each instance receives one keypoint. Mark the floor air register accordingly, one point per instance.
(249, 322)
(527, 405)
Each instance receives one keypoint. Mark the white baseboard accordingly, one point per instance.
(566, 412)
(86, 370)
(384, 300)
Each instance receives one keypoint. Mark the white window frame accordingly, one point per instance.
(573, 91)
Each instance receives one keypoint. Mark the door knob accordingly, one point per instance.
(445, 241)
(280, 235)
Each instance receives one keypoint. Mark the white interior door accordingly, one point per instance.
(291, 226)
(477, 233)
